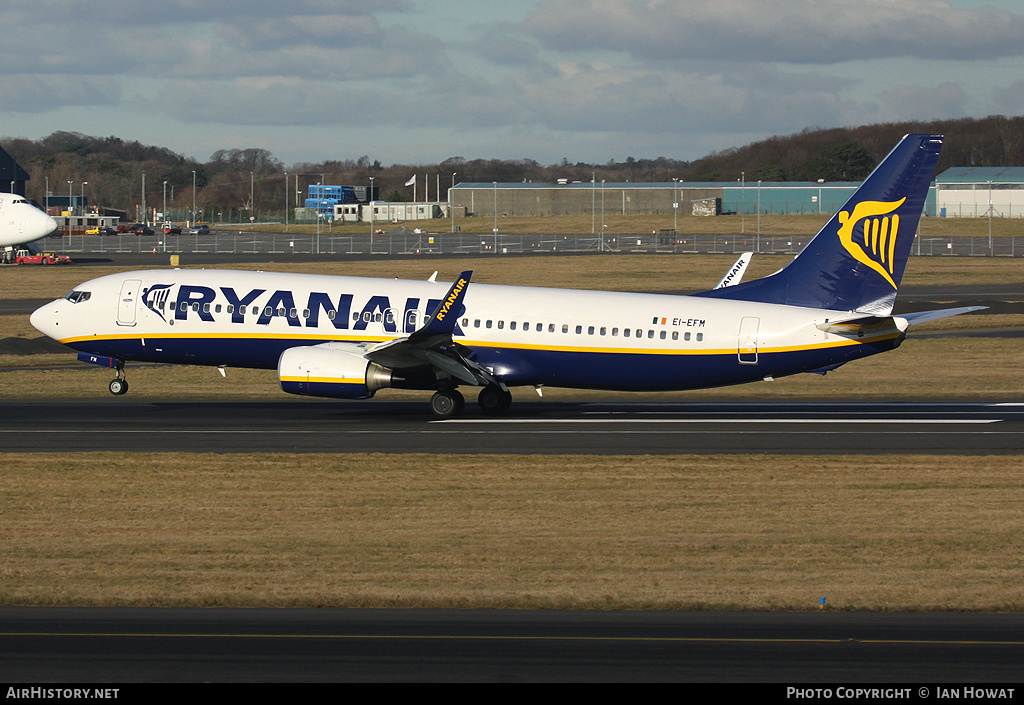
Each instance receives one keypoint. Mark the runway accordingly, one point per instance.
(139, 645)
(530, 427)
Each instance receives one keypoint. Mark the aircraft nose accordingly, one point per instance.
(50, 225)
(42, 319)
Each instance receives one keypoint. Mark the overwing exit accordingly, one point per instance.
(348, 337)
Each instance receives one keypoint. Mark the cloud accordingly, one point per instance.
(913, 102)
(27, 93)
(789, 31)
(154, 13)
(1010, 98)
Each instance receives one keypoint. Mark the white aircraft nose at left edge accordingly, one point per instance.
(21, 222)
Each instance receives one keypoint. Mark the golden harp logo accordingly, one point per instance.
(876, 244)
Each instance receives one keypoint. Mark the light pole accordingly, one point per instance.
(164, 214)
(71, 200)
(451, 204)
(369, 200)
(989, 218)
(675, 205)
(193, 197)
(758, 248)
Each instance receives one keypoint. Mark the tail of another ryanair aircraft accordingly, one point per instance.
(856, 261)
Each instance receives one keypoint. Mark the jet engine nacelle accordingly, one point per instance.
(331, 370)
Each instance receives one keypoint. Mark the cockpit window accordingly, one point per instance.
(78, 296)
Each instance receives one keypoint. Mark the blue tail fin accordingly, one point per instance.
(856, 261)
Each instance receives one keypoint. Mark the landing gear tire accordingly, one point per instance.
(494, 400)
(447, 403)
(118, 387)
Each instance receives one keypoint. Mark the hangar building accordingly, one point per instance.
(633, 198)
(967, 192)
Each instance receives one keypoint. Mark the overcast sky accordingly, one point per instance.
(418, 81)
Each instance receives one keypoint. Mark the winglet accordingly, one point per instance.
(735, 273)
(442, 320)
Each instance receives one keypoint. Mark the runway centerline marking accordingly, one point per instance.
(724, 420)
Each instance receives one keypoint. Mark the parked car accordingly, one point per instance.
(199, 229)
(170, 229)
(141, 229)
(107, 231)
(93, 231)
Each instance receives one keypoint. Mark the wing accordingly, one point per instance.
(432, 343)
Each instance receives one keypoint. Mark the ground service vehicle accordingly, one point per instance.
(26, 257)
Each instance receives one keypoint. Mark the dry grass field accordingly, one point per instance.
(685, 532)
(677, 532)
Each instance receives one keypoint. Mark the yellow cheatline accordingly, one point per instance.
(505, 345)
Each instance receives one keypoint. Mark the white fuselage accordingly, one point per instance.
(524, 335)
(21, 222)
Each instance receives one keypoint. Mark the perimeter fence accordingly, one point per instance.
(404, 242)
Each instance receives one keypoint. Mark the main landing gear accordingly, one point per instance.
(449, 403)
(119, 385)
(494, 400)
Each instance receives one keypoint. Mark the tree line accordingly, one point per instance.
(111, 170)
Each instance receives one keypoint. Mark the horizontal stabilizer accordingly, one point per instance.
(865, 326)
(925, 316)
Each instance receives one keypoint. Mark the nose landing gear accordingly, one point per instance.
(119, 385)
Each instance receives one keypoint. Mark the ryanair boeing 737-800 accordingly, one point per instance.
(347, 337)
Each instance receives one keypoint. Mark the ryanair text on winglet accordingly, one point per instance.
(452, 298)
